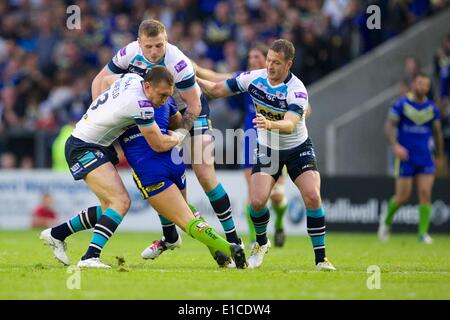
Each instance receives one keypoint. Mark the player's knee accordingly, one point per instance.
(121, 203)
(312, 199)
(206, 177)
(258, 203)
(424, 195)
(277, 198)
(401, 199)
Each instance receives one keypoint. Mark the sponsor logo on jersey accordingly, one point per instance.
(180, 65)
(147, 115)
(300, 95)
(123, 51)
(155, 187)
(269, 114)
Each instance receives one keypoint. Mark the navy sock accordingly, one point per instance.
(86, 219)
(103, 231)
(222, 207)
(169, 230)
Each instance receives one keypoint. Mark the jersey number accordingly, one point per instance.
(100, 101)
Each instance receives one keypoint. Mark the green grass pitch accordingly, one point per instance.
(409, 270)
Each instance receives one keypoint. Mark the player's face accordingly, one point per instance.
(256, 60)
(158, 94)
(421, 86)
(153, 48)
(277, 66)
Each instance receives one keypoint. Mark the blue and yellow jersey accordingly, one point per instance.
(415, 126)
(133, 143)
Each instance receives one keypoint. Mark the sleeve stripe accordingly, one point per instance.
(142, 122)
(233, 85)
(115, 69)
(296, 108)
(185, 84)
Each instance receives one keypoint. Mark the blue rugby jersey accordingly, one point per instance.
(134, 144)
(415, 126)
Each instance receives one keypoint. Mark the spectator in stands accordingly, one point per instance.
(36, 46)
(8, 161)
(44, 215)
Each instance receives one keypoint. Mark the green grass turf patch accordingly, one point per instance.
(409, 270)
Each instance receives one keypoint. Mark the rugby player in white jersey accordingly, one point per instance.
(150, 49)
(280, 100)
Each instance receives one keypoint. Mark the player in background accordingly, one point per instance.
(411, 124)
(150, 49)
(281, 100)
(129, 102)
(256, 60)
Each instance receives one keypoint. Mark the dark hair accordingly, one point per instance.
(261, 47)
(285, 46)
(157, 74)
(151, 28)
(422, 75)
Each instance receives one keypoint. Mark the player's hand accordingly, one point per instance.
(176, 135)
(261, 122)
(400, 152)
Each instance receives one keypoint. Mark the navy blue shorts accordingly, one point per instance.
(297, 160)
(83, 157)
(249, 143)
(154, 175)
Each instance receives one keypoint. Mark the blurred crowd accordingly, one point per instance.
(46, 69)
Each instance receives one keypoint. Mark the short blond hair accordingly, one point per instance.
(151, 28)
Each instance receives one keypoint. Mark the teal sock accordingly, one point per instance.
(260, 220)
(103, 231)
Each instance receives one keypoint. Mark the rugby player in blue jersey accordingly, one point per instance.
(281, 101)
(161, 179)
(412, 123)
(152, 49)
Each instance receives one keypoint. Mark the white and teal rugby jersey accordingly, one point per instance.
(124, 104)
(273, 102)
(131, 59)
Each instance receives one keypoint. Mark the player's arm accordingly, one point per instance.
(191, 97)
(210, 75)
(117, 65)
(308, 111)
(108, 81)
(156, 140)
(287, 125)
(215, 89)
(97, 85)
(390, 130)
(438, 138)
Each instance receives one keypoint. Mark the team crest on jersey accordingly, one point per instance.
(144, 104)
(300, 95)
(180, 65)
(280, 95)
(123, 51)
